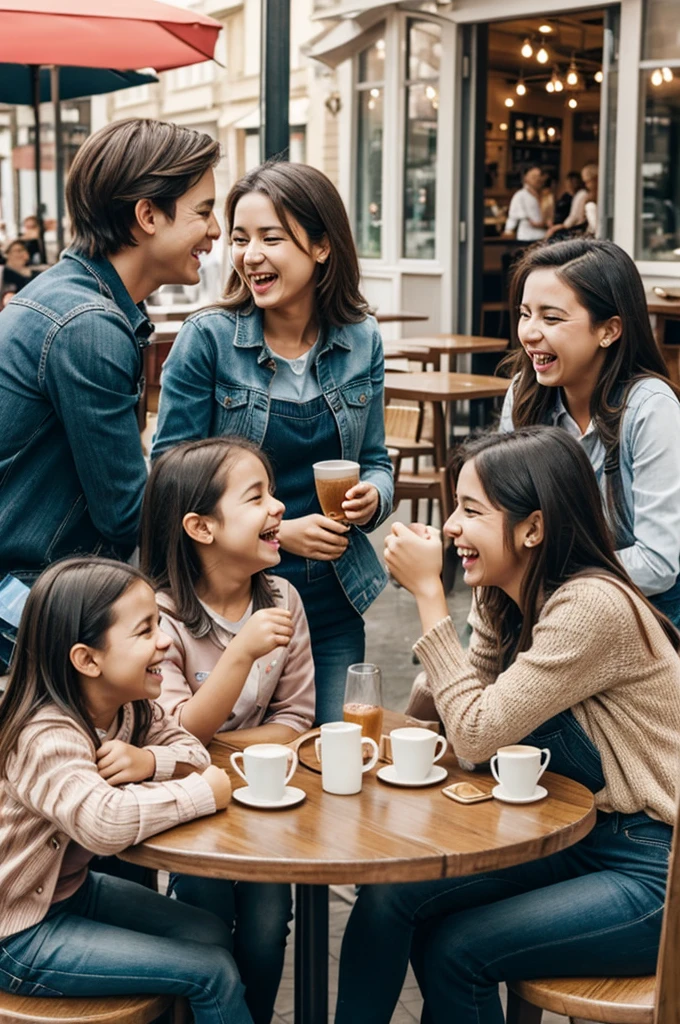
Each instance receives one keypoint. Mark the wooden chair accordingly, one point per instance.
(644, 1000)
(403, 432)
(107, 1010)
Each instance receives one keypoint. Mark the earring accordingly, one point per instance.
(605, 343)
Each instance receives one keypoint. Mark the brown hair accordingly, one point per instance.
(127, 161)
(191, 478)
(526, 471)
(303, 193)
(70, 603)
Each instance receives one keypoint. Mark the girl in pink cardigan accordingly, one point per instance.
(88, 765)
(240, 660)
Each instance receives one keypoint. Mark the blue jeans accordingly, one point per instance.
(256, 915)
(113, 937)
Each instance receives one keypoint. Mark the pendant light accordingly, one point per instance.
(527, 49)
(542, 56)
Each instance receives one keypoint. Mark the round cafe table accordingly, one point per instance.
(383, 834)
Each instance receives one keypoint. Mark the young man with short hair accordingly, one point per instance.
(140, 196)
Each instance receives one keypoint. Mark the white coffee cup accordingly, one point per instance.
(266, 769)
(518, 768)
(414, 751)
(340, 750)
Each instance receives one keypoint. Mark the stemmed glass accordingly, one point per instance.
(363, 699)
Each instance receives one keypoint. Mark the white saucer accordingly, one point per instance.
(538, 794)
(389, 774)
(291, 796)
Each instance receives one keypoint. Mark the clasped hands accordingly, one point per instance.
(413, 555)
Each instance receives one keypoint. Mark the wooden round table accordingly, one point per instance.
(383, 834)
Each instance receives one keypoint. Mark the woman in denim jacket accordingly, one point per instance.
(291, 360)
(588, 362)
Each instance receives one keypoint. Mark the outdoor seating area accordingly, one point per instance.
(339, 512)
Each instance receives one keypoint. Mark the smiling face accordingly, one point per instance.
(278, 273)
(556, 332)
(126, 667)
(477, 530)
(176, 245)
(244, 528)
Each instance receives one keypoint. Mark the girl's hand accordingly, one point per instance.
(265, 630)
(218, 780)
(361, 503)
(314, 536)
(119, 762)
(413, 556)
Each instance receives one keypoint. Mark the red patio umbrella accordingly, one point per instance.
(120, 34)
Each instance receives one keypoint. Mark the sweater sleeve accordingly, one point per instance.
(171, 745)
(293, 700)
(53, 773)
(569, 660)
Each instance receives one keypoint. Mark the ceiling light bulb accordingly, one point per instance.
(573, 103)
(375, 93)
(371, 104)
(527, 49)
(572, 75)
(521, 88)
(543, 56)
(431, 92)
(550, 86)
(545, 29)
(667, 74)
(599, 76)
(509, 102)
(380, 45)
(551, 132)
(657, 77)
(503, 126)
(559, 85)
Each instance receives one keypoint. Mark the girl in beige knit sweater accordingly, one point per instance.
(566, 654)
(89, 764)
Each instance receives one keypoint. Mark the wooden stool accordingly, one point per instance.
(105, 1010)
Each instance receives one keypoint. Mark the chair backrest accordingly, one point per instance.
(403, 421)
(667, 1002)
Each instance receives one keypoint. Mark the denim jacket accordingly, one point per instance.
(648, 534)
(72, 470)
(217, 381)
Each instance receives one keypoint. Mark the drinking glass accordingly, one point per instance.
(363, 699)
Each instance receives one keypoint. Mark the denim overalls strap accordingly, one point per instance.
(572, 752)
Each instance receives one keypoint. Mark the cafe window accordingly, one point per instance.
(423, 57)
(370, 119)
(659, 203)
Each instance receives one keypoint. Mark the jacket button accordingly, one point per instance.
(55, 843)
(362, 398)
(227, 401)
(39, 890)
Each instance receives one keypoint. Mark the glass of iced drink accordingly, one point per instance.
(363, 699)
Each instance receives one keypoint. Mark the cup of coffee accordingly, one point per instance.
(333, 479)
(414, 751)
(267, 768)
(340, 748)
(518, 768)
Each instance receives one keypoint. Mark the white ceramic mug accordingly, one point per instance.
(265, 769)
(518, 768)
(340, 750)
(414, 751)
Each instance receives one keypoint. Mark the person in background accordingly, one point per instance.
(30, 235)
(292, 360)
(525, 218)
(90, 763)
(573, 183)
(547, 198)
(577, 219)
(16, 272)
(587, 361)
(140, 196)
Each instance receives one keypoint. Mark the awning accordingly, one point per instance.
(298, 113)
(351, 35)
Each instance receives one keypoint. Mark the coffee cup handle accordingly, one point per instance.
(439, 755)
(386, 747)
(374, 757)
(545, 763)
(239, 771)
(494, 771)
(293, 766)
(317, 748)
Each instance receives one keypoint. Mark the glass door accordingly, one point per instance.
(608, 119)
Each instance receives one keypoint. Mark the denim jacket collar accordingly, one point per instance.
(111, 284)
(249, 333)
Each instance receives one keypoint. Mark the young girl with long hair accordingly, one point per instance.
(240, 661)
(291, 360)
(587, 361)
(87, 761)
(565, 653)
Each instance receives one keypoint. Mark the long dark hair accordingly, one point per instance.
(70, 603)
(302, 192)
(191, 478)
(607, 284)
(545, 468)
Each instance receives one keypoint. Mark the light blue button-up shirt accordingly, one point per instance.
(648, 539)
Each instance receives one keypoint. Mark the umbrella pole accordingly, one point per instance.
(35, 76)
(58, 156)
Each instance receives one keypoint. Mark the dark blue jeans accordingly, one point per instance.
(256, 915)
(595, 908)
(113, 937)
